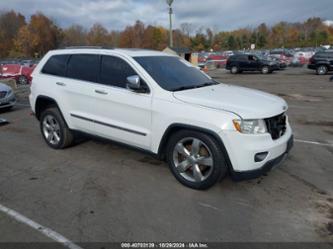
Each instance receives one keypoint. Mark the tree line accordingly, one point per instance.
(21, 38)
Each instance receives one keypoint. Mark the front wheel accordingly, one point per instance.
(195, 159)
(54, 129)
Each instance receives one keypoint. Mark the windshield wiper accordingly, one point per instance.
(207, 84)
(195, 86)
(181, 88)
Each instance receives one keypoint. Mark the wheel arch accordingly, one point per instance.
(42, 103)
(179, 126)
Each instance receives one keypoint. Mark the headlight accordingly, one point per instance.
(9, 92)
(250, 126)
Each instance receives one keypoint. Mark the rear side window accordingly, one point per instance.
(56, 65)
(83, 67)
(320, 55)
(114, 71)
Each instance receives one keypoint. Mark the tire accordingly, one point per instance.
(188, 149)
(265, 70)
(234, 70)
(321, 70)
(22, 80)
(55, 130)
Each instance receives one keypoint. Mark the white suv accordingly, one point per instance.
(161, 104)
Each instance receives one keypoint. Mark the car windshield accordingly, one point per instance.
(174, 74)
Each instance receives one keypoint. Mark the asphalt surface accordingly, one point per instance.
(98, 191)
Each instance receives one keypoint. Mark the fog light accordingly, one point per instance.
(260, 156)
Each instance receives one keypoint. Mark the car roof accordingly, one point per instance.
(132, 52)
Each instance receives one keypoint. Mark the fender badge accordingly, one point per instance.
(284, 107)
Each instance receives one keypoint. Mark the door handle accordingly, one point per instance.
(101, 92)
(61, 84)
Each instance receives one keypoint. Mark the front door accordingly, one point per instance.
(119, 113)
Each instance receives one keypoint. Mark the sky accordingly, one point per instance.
(216, 14)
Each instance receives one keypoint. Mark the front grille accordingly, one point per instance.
(3, 94)
(276, 126)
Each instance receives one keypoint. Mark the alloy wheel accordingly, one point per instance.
(193, 159)
(51, 130)
(322, 70)
(22, 80)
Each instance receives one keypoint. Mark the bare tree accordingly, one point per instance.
(186, 28)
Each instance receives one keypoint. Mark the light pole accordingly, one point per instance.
(169, 2)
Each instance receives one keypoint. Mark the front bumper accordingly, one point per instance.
(245, 175)
(8, 101)
(312, 66)
(243, 148)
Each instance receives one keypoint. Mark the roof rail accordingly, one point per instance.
(88, 47)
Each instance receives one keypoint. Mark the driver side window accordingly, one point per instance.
(252, 58)
(114, 71)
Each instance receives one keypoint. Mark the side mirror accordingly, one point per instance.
(133, 82)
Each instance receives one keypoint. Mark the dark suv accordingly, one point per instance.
(322, 62)
(244, 62)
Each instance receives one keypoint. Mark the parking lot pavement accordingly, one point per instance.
(100, 191)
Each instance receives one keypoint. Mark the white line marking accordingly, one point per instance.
(312, 142)
(44, 230)
(209, 206)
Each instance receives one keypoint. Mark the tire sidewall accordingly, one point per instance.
(219, 165)
(56, 115)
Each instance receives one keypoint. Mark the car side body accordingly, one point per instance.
(149, 118)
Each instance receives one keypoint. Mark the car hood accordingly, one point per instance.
(4, 87)
(244, 102)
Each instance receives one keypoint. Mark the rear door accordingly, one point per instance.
(75, 90)
(121, 114)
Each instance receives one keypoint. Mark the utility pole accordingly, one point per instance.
(169, 2)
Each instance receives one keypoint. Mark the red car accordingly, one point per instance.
(21, 73)
(219, 61)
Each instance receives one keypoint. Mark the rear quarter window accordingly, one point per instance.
(56, 65)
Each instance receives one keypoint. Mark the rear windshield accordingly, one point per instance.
(171, 73)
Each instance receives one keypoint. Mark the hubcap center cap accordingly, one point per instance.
(192, 159)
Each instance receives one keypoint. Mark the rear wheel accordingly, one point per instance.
(54, 129)
(195, 159)
(265, 70)
(322, 70)
(234, 70)
(22, 80)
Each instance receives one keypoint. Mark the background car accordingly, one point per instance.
(7, 97)
(248, 62)
(21, 72)
(322, 62)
